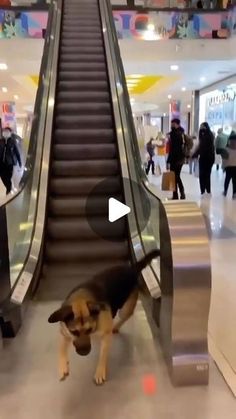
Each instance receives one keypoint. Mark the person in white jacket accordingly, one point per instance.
(229, 164)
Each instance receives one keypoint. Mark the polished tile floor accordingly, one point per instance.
(220, 215)
(29, 387)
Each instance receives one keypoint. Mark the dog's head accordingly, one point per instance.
(81, 319)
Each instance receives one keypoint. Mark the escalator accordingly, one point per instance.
(83, 133)
(84, 153)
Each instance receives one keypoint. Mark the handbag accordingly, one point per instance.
(168, 181)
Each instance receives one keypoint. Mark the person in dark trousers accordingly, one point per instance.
(229, 163)
(176, 156)
(206, 153)
(150, 150)
(9, 157)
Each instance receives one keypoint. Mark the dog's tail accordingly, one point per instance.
(139, 266)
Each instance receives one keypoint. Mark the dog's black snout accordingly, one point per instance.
(83, 350)
(76, 333)
(88, 331)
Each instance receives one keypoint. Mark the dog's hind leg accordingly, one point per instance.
(126, 311)
(63, 357)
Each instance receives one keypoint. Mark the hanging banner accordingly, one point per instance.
(8, 115)
(175, 106)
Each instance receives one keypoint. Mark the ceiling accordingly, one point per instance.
(200, 64)
(213, 60)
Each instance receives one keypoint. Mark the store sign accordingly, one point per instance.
(223, 97)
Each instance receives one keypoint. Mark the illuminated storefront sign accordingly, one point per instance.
(218, 108)
(222, 97)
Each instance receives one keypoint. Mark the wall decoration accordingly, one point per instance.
(8, 115)
(15, 24)
(152, 26)
(132, 24)
(175, 106)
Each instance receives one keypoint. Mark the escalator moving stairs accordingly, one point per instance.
(84, 152)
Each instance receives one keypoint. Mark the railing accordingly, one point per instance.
(184, 271)
(174, 4)
(19, 213)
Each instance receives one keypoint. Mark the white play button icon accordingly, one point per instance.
(116, 210)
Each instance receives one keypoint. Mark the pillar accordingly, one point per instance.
(194, 126)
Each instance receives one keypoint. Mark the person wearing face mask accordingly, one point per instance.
(206, 154)
(9, 157)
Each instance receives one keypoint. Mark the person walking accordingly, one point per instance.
(176, 156)
(151, 152)
(206, 154)
(229, 164)
(220, 146)
(9, 157)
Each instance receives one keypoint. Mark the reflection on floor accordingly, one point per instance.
(220, 215)
(29, 387)
(28, 376)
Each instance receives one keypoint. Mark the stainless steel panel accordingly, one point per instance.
(186, 290)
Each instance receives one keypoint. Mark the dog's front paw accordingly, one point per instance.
(64, 371)
(100, 375)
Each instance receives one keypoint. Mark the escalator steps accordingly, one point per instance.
(84, 152)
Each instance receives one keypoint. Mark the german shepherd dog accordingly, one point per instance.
(91, 308)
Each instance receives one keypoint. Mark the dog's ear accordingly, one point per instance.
(95, 307)
(64, 314)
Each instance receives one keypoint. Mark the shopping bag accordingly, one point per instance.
(168, 181)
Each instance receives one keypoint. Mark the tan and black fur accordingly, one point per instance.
(91, 308)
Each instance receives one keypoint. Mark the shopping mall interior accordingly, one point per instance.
(86, 88)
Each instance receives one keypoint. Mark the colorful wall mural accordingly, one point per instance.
(131, 24)
(15, 24)
(160, 25)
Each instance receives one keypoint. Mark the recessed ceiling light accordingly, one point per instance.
(169, 96)
(202, 78)
(4, 89)
(183, 89)
(150, 27)
(16, 97)
(3, 66)
(189, 106)
(174, 67)
(164, 114)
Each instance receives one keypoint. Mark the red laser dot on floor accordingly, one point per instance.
(149, 384)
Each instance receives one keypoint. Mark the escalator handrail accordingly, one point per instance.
(127, 106)
(25, 277)
(126, 123)
(41, 91)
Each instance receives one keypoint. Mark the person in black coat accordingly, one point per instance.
(151, 152)
(206, 154)
(9, 157)
(176, 156)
